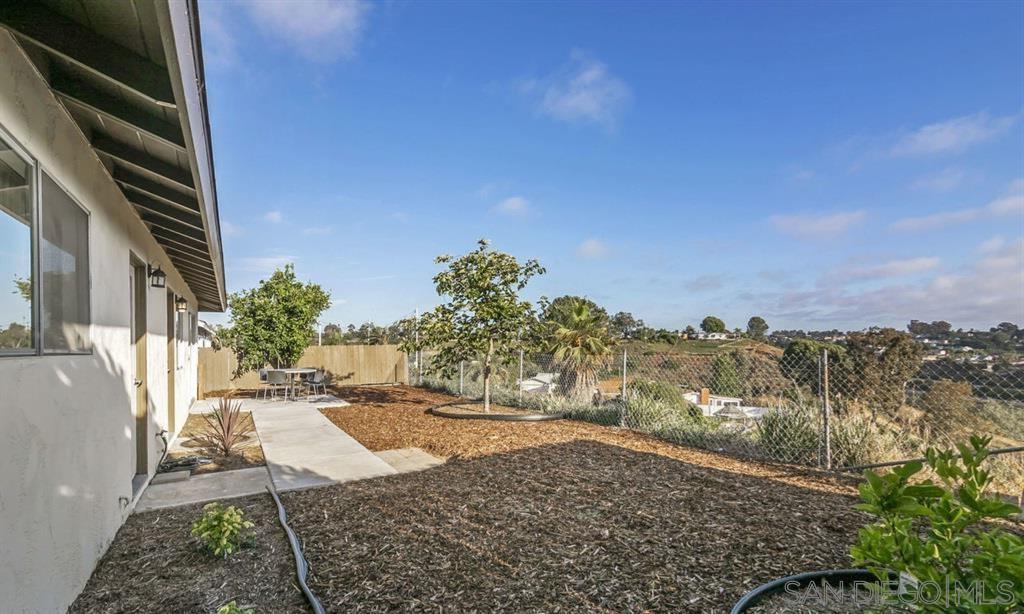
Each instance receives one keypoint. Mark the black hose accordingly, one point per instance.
(163, 435)
(301, 565)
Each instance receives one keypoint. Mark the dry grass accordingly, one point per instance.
(249, 454)
(155, 565)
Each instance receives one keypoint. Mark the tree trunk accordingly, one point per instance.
(487, 376)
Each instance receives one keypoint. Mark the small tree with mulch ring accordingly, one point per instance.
(484, 315)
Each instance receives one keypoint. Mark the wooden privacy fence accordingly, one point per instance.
(345, 365)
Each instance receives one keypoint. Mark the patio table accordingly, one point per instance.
(296, 373)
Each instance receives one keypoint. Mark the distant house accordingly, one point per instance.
(721, 406)
(542, 383)
(715, 336)
(711, 403)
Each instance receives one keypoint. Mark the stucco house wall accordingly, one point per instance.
(66, 422)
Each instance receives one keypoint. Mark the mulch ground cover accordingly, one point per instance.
(155, 565)
(557, 516)
(246, 455)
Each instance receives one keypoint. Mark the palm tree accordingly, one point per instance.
(581, 343)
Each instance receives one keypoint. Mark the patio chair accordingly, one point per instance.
(263, 387)
(317, 380)
(278, 379)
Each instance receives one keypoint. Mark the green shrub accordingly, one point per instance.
(939, 537)
(222, 530)
(856, 440)
(663, 392)
(789, 434)
(233, 608)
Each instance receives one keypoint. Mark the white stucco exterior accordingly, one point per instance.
(66, 422)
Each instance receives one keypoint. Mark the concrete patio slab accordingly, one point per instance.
(405, 460)
(203, 488)
(303, 449)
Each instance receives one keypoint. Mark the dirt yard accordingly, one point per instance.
(557, 516)
(155, 565)
(248, 454)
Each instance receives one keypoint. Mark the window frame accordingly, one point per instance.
(36, 242)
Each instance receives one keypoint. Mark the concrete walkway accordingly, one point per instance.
(303, 449)
(204, 487)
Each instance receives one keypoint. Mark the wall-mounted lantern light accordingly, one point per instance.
(157, 278)
(180, 304)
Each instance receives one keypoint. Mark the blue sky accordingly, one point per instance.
(822, 165)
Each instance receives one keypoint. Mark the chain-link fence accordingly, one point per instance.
(817, 410)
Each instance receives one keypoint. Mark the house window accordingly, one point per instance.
(16, 231)
(64, 262)
(44, 261)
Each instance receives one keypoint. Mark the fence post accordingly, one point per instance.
(622, 410)
(462, 365)
(520, 376)
(826, 409)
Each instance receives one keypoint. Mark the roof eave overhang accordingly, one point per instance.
(185, 64)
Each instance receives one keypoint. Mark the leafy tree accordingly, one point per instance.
(273, 323)
(23, 288)
(882, 362)
(484, 315)
(938, 327)
(711, 324)
(625, 325)
(560, 310)
(725, 376)
(947, 403)
(580, 346)
(800, 361)
(757, 327)
(15, 336)
(689, 331)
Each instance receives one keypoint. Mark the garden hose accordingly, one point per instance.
(301, 565)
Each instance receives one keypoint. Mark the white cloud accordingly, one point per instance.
(219, 46)
(1011, 205)
(893, 268)
(319, 30)
(514, 205)
(818, 226)
(982, 293)
(703, 283)
(952, 135)
(943, 181)
(592, 249)
(273, 217)
(317, 231)
(264, 264)
(228, 229)
(992, 245)
(801, 175)
(584, 91)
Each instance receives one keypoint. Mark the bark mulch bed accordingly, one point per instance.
(390, 417)
(558, 516)
(155, 565)
(248, 454)
(571, 526)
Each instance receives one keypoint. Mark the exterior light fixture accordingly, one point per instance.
(180, 304)
(157, 278)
